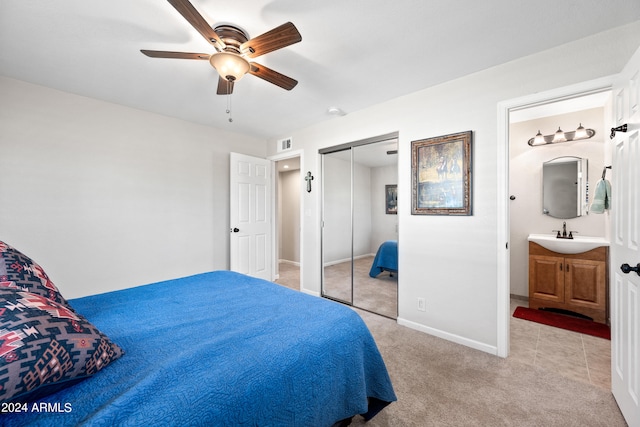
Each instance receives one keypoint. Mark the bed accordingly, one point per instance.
(386, 258)
(220, 348)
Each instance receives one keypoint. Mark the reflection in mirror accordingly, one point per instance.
(564, 184)
(336, 233)
(375, 280)
(358, 222)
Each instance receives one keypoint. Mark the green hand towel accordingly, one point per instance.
(602, 198)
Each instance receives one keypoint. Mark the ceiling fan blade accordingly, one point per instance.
(225, 87)
(190, 13)
(175, 55)
(272, 76)
(282, 36)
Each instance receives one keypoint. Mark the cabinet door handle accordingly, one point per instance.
(560, 266)
(567, 268)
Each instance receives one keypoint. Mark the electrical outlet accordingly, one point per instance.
(422, 305)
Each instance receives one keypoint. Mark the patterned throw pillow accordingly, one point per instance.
(19, 271)
(46, 346)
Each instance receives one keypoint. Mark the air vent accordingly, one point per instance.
(284, 144)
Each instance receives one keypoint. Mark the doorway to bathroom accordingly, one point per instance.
(569, 354)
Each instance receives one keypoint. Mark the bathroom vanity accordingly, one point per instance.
(569, 274)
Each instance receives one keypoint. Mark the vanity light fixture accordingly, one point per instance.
(560, 136)
(538, 140)
(581, 133)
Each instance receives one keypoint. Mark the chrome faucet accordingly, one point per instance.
(564, 228)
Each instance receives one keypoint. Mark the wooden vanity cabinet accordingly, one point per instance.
(574, 282)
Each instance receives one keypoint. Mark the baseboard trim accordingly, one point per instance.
(340, 261)
(286, 261)
(449, 337)
(308, 292)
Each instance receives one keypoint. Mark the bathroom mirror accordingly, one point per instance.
(564, 187)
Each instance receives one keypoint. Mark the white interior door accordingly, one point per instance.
(250, 216)
(625, 244)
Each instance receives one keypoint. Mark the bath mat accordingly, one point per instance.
(562, 321)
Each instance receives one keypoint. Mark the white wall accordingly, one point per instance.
(106, 197)
(289, 215)
(452, 261)
(337, 212)
(362, 210)
(338, 232)
(372, 225)
(525, 183)
(383, 226)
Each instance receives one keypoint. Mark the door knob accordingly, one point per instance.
(626, 268)
(235, 230)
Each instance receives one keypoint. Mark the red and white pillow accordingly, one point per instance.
(45, 345)
(18, 270)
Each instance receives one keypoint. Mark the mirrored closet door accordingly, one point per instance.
(359, 234)
(337, 226)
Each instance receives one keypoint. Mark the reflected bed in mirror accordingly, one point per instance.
(386, 259)
(564, 187)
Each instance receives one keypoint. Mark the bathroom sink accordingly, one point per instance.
(576, 245)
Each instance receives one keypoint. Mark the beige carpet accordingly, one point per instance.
(379, 294)
(439, 383)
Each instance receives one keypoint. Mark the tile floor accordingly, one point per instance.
(577, 356)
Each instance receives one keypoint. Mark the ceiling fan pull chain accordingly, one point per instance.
(229, 100)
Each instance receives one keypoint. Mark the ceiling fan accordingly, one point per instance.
(233, 47)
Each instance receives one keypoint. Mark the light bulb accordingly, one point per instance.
(230, 66)
(581, 133)
(539, 139)
(559, 136)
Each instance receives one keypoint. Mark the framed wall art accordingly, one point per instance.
(391, 199)
(441, 175)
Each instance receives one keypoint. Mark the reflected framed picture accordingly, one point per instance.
(391, 199)
(441, 175)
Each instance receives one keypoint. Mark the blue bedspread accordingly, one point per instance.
(386, 259)
(223, 349)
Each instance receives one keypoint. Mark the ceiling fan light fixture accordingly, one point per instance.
(230, 66)
(233, 50)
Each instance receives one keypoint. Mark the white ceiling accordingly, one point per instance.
(353, 54)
